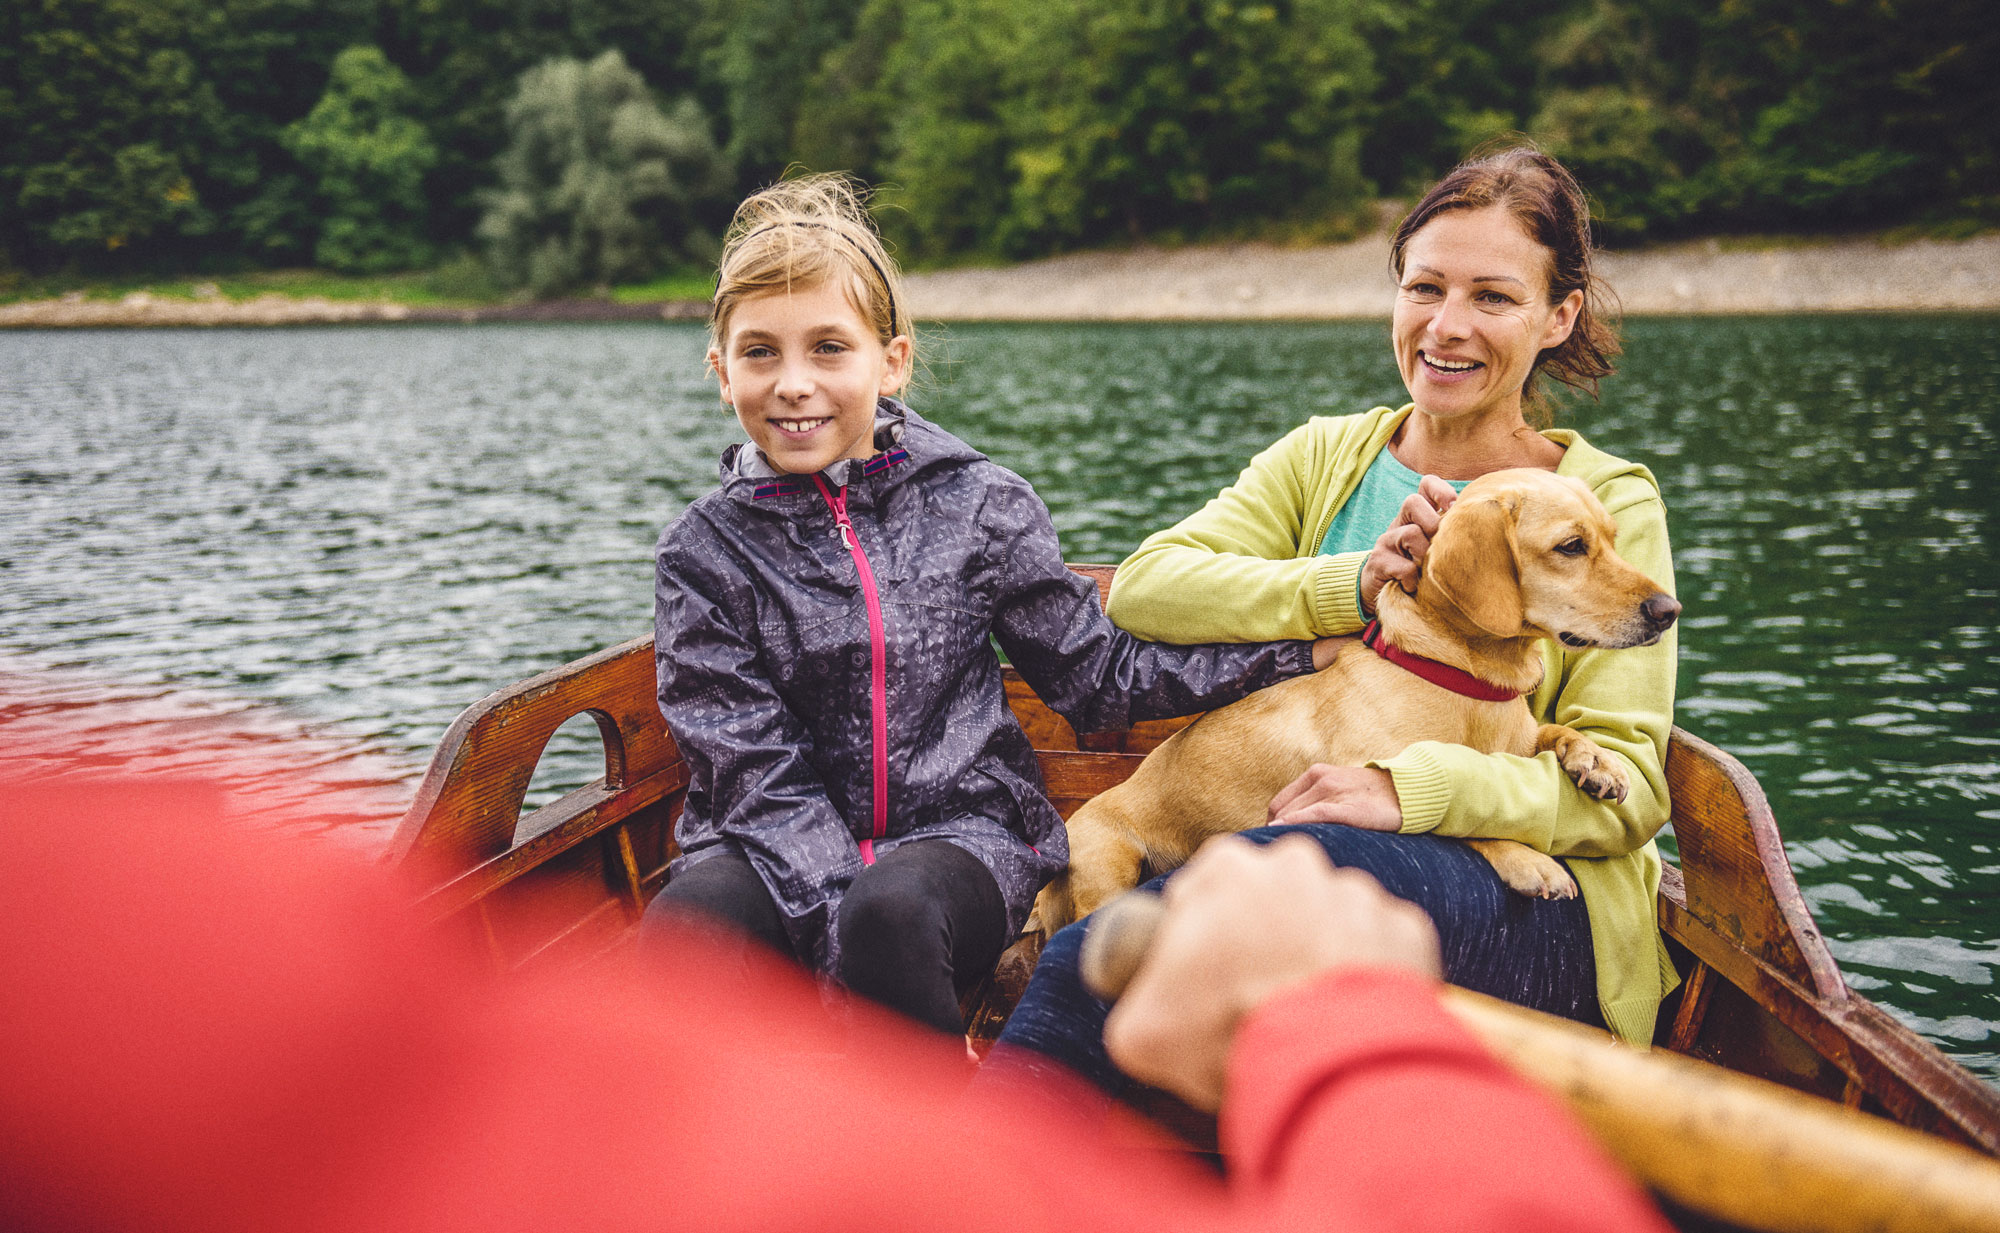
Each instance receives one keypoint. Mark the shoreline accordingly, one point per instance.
(1247, 282)
(140, 310)
(1227, 282)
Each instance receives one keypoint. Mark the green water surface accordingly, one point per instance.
(373, 527)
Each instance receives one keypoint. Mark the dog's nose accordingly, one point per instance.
(1660, 609)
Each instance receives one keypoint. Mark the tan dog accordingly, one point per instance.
(1523, 555)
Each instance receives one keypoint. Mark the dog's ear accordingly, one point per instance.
(1474, 565)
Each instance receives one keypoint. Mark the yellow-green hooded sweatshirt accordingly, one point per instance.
(1246, 567)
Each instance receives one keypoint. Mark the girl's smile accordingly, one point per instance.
(803, 371)
(801, 427)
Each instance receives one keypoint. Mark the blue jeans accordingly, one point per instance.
(1532, 952)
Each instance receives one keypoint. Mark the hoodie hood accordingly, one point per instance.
(1616, 482)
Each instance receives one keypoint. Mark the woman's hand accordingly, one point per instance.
(1357, 796)
(1398, 556)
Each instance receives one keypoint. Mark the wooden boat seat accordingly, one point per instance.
(569, 881)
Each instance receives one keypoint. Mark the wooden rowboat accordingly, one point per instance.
(567, 882)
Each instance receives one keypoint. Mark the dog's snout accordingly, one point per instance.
(1660, 610)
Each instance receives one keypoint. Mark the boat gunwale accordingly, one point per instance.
(467, 840)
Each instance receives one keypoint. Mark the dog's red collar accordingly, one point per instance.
(1457, 680)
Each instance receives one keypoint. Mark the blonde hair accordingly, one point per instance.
(803, 233)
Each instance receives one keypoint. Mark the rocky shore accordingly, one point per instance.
(1254, 281)
(1216, 282)
(142, 309)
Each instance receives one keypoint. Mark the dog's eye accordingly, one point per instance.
(1573, 547)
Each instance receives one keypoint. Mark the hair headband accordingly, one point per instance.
(888, 288)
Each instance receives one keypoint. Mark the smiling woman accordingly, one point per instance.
(1538, 271)
(1494, 290)
(1472, 316)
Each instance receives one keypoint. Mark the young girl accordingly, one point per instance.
(861, 799)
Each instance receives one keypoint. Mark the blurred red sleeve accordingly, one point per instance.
(1358, 1099)
(208, 1029)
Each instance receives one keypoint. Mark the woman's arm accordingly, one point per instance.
(744, 745)
(1233, 570)
(1094, 674)
(1623, 700)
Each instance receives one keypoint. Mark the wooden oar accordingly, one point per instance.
(1749, 1152)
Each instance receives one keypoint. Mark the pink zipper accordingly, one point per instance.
(878, 650)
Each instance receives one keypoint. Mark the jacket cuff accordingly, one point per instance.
(1423, 790)
(1296, 659)
(1302, 1041)
(1335, 588)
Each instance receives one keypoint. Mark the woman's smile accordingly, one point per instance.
(1448, 369)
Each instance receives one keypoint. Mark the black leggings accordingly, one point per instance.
(916, 928)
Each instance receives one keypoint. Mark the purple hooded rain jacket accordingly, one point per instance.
(765, 663)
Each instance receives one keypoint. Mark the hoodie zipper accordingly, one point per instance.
(878, 654)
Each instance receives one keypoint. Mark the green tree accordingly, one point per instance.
(105, 120)
(465, 59)
(1450, 74)
(598, 184)
(1687, 114)
(759, 57)
(1024, 127)
(1849, 113)
(945, 148)
(146, 134)
(1613, 108)
(1613, 139)
(368, 157)
(1188, 117)
(267, 62)
(854, 97)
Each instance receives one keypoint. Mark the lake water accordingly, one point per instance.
(372, 527)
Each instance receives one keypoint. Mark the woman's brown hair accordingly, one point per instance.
(1546, 200)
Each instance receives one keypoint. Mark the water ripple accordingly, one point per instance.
(373, 527)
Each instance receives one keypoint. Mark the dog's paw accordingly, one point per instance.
(1546, 882)
(1594, 770)
(1526, 871)
(1542, 877)
(1053, 909)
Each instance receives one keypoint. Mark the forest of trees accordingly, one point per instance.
(571, 144)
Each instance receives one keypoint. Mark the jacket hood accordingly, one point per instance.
(1594, 467)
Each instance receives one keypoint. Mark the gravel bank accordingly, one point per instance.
(73, 311)
(141, 309)
(1222, 282)
(1251, 281)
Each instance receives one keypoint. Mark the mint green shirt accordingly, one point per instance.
(1360, 522)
